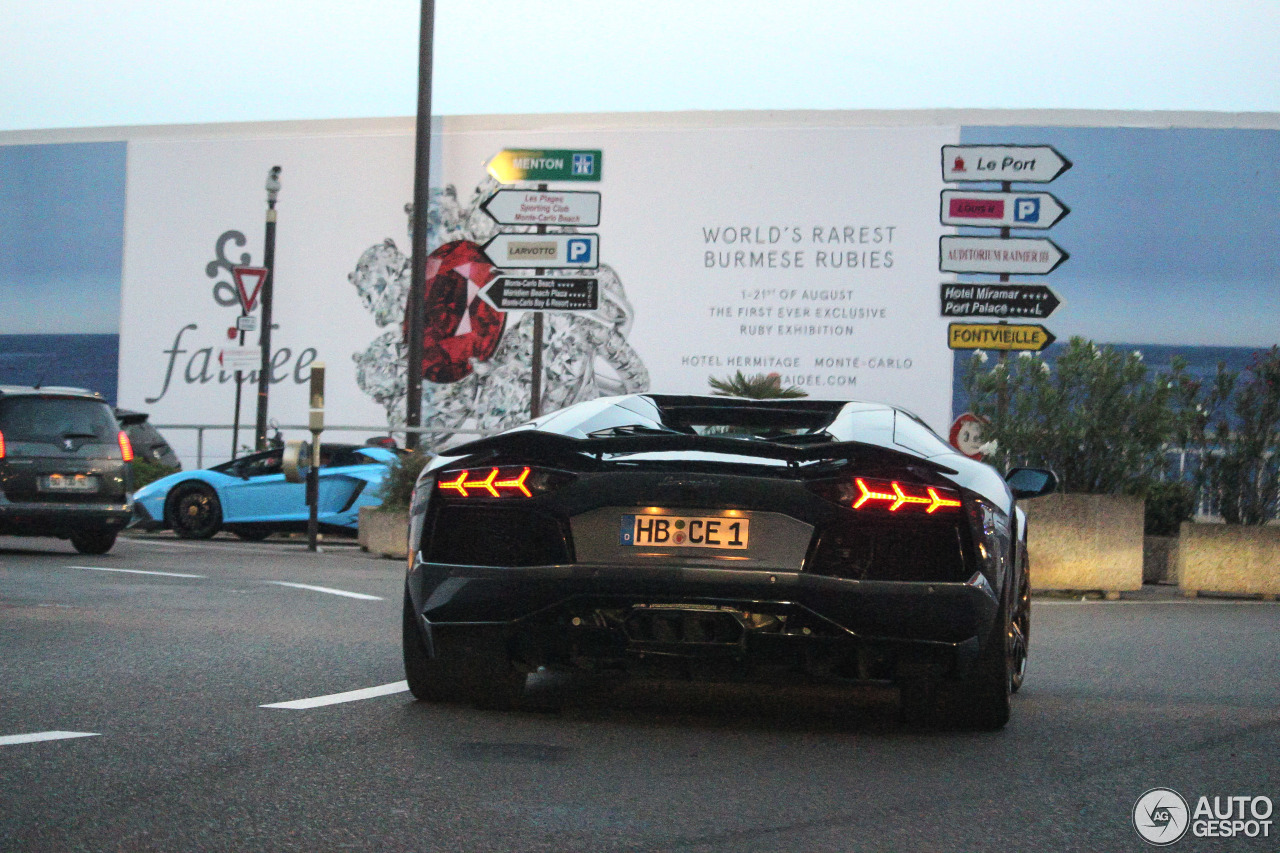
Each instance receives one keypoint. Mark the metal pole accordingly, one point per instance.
(264, 338)
(1002, 394)
(235, 427)
(418, 239)
(535, 365)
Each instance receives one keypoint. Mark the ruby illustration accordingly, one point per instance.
(459, 326)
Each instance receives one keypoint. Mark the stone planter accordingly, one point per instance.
(1160, 559)
(1085, 543)
(1229, 558)
(384, 532)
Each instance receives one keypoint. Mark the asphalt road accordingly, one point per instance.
(170, 676)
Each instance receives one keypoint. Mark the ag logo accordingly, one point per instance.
(1160, 816)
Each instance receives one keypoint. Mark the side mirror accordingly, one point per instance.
(1031, 482)
(296, 461)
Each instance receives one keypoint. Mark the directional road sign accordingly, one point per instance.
(559, 164)
(548, 251)
(543, 294)
(544, 207)
(999, 336)
(1034, 256)
(998, 300)
(1034, 164)
(240, 358)
(1002, 210)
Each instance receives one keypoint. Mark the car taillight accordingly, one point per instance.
(504, 482)
(866, 493)
(1, 445)
(126, 447)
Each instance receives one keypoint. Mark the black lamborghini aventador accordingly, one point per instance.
(722, 538)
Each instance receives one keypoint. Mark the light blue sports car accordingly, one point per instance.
(250, 497)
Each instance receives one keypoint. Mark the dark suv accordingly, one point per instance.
(64, 467)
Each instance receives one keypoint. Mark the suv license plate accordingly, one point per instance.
(686, 531)
(69, 483)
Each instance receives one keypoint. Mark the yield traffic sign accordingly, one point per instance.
(1036, 164)
(1004, 210)
(248, 283)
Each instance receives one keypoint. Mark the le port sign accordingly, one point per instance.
(999, 336)
(1033, 164)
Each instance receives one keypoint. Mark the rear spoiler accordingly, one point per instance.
(536, 444)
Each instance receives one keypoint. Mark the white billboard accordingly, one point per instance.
(806, 251)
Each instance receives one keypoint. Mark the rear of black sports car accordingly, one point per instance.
(718, 538)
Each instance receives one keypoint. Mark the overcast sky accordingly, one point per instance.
(75, 63)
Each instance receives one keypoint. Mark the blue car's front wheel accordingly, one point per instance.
(193, 511)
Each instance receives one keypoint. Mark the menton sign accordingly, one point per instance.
(510, 166)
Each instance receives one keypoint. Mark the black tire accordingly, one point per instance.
(97, 541)
(1020, 636)
(252, 532)
(193, 511)
(470, 665)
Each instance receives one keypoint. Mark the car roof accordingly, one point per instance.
(48, 390)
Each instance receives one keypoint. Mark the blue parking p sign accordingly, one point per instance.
(578, 251)
(1026, 210)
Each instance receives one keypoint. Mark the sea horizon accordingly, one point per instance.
(90, 361)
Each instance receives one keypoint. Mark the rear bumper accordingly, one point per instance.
(579, 613)
(40, 518)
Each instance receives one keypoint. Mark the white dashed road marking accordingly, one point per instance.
(338, 698)
(135, 572)
(36, 737)
(359, 595)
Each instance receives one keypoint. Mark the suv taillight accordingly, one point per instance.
(126, 446)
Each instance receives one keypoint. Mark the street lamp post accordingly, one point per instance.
(264, 338)
(418, 239)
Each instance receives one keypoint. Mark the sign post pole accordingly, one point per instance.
(243, 325)
(535, 367)
(268, 284)
(415, 305)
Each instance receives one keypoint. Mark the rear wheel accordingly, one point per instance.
(97, 541)
(470, 664)
(194, 511)
(1020, 635)
(980, 702)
